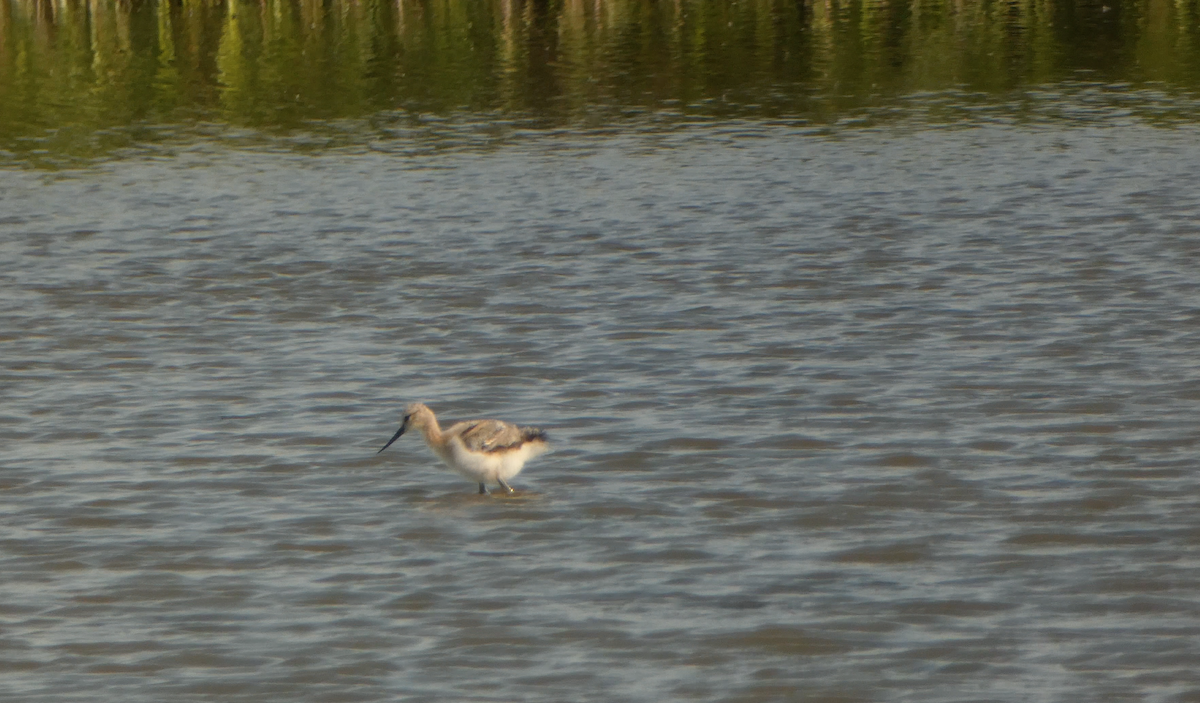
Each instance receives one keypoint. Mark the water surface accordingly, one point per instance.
(81, 81)
(866, 414)
(865, 333)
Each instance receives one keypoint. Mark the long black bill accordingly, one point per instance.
(396, 436)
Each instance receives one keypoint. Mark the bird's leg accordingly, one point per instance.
(482, 490)
(507, 488)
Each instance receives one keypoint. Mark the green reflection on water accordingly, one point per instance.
(81, 78)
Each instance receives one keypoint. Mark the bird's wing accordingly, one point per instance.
(490, 435)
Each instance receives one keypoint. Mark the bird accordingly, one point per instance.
(483, 451)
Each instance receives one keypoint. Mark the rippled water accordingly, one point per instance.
(902, 415)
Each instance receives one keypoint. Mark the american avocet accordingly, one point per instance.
(484, 451)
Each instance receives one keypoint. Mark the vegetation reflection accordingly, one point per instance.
(85, 75)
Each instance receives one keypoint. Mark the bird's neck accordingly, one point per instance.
(431, 431)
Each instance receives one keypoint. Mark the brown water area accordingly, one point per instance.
(864, 334)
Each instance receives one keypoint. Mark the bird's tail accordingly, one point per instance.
(532, 434)
(538, 440)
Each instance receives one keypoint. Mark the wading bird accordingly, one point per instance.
(483, 451)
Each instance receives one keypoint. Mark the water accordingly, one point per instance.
(82, 81)
(901, 414)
